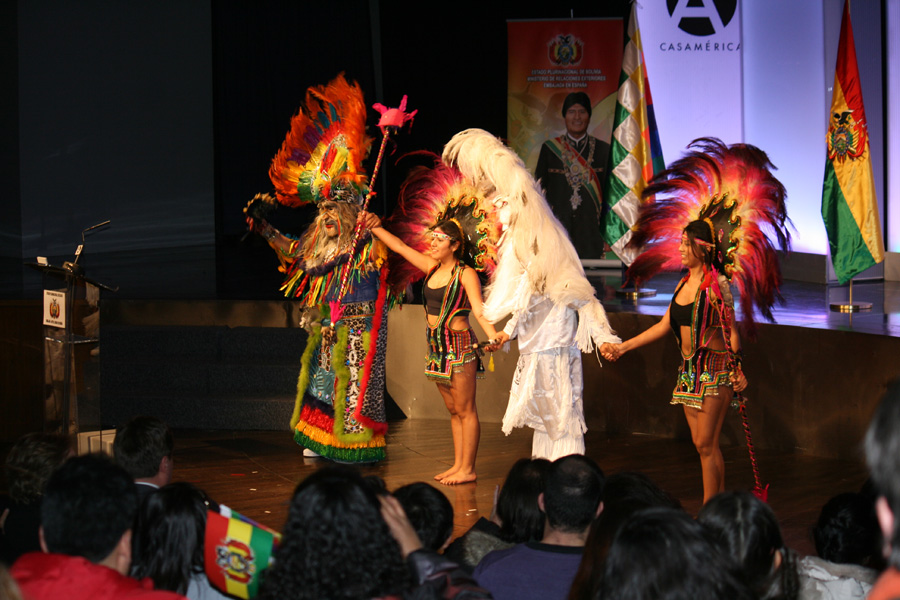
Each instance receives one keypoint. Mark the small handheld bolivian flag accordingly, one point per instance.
(237, 551)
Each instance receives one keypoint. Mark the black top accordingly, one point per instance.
(434, 299)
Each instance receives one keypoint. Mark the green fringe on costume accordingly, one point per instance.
(350, 455)
(312, 342)
(342, 375)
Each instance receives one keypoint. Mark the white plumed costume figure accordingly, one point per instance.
(539, 280)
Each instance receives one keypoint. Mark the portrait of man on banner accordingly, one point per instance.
(562, 83)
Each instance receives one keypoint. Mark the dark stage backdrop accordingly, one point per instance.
(163, 117)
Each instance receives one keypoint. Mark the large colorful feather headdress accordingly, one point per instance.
(321, 157)
(432, 194)
(733, 190)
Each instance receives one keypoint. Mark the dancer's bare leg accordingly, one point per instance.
(706, 426)
(455, 430)
(462, 390)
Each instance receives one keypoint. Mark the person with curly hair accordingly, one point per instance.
(29, 464)
(345, 539)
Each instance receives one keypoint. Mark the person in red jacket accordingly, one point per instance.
(86, 517)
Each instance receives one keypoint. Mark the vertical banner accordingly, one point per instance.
(548, 60)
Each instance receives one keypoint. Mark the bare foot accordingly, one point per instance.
(459, 477)
(446, 473)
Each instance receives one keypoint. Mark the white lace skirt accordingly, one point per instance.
(546, 394)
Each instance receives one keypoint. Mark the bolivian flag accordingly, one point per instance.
(236, 552)
(849, 206)
(635, 154)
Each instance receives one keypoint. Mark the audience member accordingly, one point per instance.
(167, 545)
(571, 501)
(430, 513)
(143, 447)
(344, 541)
(624, 494)
(663, 554)
(883, 457)
(8, 588)
(748, 530)
(516, 517)
(29, 464)
(86, 517)
(847, 530)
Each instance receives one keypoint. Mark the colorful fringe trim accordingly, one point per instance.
(312, 432)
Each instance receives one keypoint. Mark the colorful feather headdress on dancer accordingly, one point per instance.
(535, 254)
(321, 157)
(434, 194)
(732, 189)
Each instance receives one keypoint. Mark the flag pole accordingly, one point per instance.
(850, 306)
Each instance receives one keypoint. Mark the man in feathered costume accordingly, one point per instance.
(539, 280)
(339, 412)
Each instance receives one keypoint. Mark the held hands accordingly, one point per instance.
(611, 352)
(495, 343)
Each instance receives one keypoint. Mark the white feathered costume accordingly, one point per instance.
(539, 280)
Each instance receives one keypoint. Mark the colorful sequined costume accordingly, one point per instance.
(339, 410)
(703, 370)
(448, 349)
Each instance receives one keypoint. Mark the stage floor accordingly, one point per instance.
(255, 473)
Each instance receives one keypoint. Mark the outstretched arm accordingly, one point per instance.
(282, 244)
(420, 261)
(614, 351)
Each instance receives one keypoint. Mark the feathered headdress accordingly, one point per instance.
(321, 157)
(433, 194)
(732, 190)
(535, 255)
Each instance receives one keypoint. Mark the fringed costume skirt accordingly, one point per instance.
(341, 387)
(449, 350)
(701, 375)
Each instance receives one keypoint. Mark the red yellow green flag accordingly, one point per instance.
(849, 205)
(237, 551)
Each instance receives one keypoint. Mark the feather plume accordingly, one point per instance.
(321, 157)
(432, 194)
(535, 255)
(733, 188)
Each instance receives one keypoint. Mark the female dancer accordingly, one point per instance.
(704, 385)
(451, 291)
(711, 205)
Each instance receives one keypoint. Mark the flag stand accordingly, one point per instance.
(850, 307)
(637, 292)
